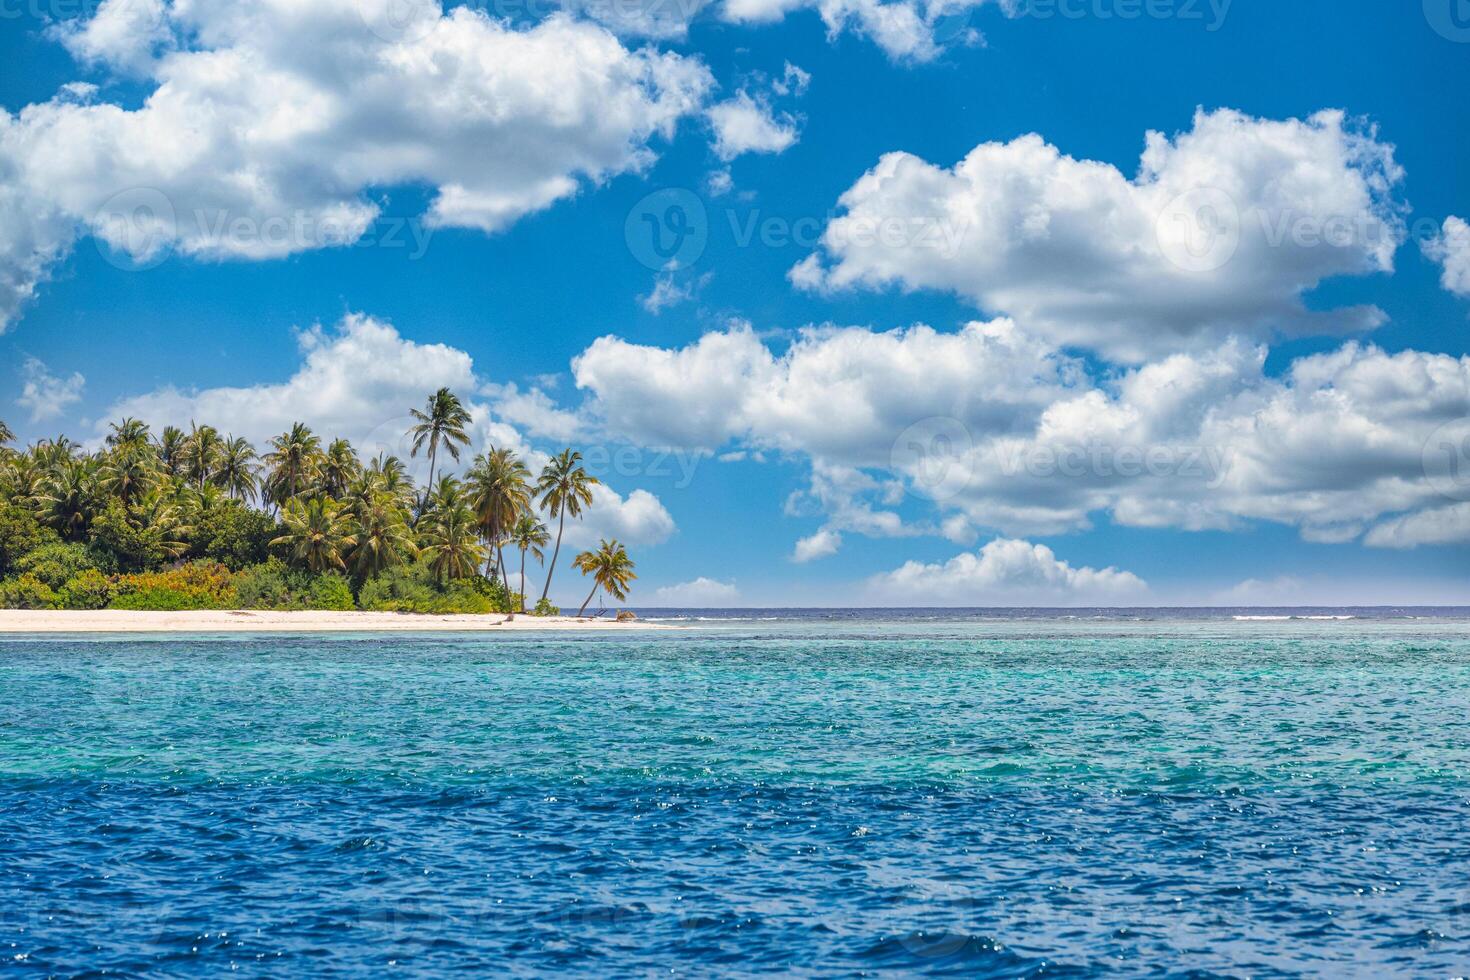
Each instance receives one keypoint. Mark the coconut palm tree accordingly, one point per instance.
(441, 423)
(381, 532)
(293, 462)
(499, 486)
(128, 432)
(339, 466)
(171, 449)
(450, 542)
(564, 487)
(68, 498)
(129, 471)
(5, 434)
(530, 535)
(201, 454)
(610, 568)
(235, 472)
(318, 532)
(395, 478)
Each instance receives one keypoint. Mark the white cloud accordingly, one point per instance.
(906, 30)
(1451, 249)
(126, 34)
(640, 518)
(746, 124)
(1222, 231)
(1006, 572)
(822, 544)
(45, 395)
(1440, 525)
(273, 132)
(701, 592)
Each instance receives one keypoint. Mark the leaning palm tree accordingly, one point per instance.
(235, 472)
(318, 532)
(530, 535)
(610, 568)
(450, 543)
(499, 486)
(564, 487)
(441, 423)
(339, 467)
(201, 454)
(293, 463)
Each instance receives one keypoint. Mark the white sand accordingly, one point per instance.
(252, 621)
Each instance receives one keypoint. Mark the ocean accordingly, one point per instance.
(820, 792)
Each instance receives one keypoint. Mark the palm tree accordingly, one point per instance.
(610, 568)
(530, 535)
(201, 452)
(382, 536)
(235, 473)
(293, 463)
(128, 432)
(68, 499)
(5, 434)
(564, 487)
(338, 468)
(395, 478)
(171, 449)
(441, 423)
(500, 492)
(318, 531)
(129, 471)
(450, 542)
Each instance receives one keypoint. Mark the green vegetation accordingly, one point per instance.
(198, 519)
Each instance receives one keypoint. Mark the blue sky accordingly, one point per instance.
(527, 298)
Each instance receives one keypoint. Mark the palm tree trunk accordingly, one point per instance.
(589, 599)
(523, 580)
(561, 523)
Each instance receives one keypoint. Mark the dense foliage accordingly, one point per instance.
(200, 520)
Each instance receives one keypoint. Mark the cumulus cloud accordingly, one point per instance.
(746, 124)
(1006, 571)
(699, 592)
(1221, 232)
(270, 132)
(45, 395)
(1440, 525)
(906, 30)
(1451, 249)
(822, 544)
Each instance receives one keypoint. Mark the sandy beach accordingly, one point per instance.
(254, 621)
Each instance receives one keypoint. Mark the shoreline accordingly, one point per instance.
(48, 621)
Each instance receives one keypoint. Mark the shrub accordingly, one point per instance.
(545, 608)
(134, 546)
(26, 592)
(330, 593)
(233, 535)
(198, 585)
(274, 585)
(412, 588)
(88, 589)
(57, 563)
(20, 533)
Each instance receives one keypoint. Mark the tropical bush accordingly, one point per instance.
(415, 589)
(57, 563)
(20, 533)
(88, 589)
(26, 592)
(197, 585)
(545, 608)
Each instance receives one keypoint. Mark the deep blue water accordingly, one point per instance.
(1159, 795)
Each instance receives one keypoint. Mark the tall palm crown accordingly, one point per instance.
(391, 471)
(530, 535)
(235, 472)
(130, 470)
(293, 463)
(171, 449)
(500, 492)
(67, 499)
(442, 423)
(201, 452)
(128, 432)
(564, 487)
(383, 538)
(318, 532)
(610, 568)
(5, 434)
(339, 466)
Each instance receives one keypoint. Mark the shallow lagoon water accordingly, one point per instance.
(824, 795)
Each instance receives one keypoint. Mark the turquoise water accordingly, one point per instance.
(991, 797)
